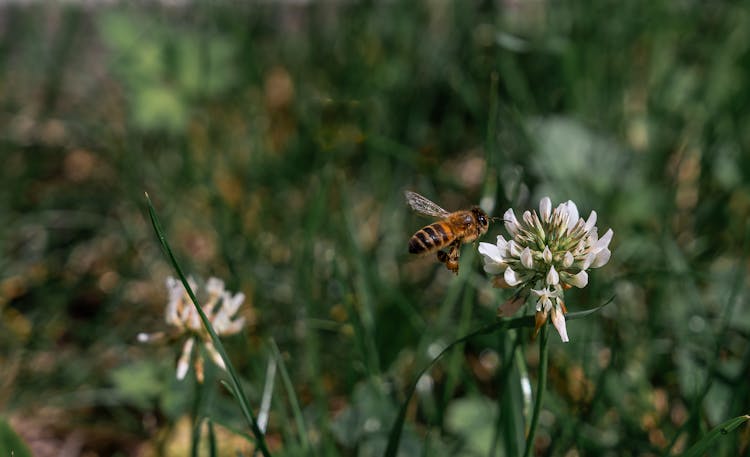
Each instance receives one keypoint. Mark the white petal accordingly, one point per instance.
(540, 292)
(545, 208)
(215, 355)
(214, 286)
(193, 321)
(502, 245)
(603, 242)
(558, 320)
(174, 287)
(490, 252)
(511, 278)
(588, 260)
(171, 316)
(602, 257)
(511, 223)
(572, 214)
(234, 326)
(184, 363)
(527, 218)
(552, 277)
(232, 303)
(568, 259)
(544, 303)
(547, 255)
(176, 291)
(526, 258)
(514, 250)
(591, 221)
(580, 279)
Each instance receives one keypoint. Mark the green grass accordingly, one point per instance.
(276, 141)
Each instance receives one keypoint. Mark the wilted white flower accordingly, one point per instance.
(220, 306)
(547, 253)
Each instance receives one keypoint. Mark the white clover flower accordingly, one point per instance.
(220, 306)
(547, 253)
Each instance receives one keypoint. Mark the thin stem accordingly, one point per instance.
(540, 388)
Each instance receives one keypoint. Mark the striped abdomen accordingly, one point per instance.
(431, 238)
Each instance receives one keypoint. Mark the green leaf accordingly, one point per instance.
(702, 446)
(292, 395)
(11, 443)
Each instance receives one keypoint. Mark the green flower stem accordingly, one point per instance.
(540, 388)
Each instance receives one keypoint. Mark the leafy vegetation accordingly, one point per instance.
(276, 140)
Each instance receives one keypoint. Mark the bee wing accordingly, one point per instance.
(423, 205)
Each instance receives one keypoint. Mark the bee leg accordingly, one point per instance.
(450, 258)
(442, 256)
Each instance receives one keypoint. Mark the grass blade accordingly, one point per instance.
(235, 382)
(265, 403)
(11, 443)
(701, 446)
(584, 313)
(292, 395)
(211, 439)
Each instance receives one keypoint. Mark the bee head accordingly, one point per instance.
(482, 219)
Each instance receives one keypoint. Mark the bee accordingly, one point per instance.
(448, 233)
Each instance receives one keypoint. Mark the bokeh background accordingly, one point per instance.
(276, 139)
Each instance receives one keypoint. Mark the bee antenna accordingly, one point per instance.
(495, 219)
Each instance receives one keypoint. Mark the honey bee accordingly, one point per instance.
(449, 232)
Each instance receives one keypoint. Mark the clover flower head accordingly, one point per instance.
(219, 305)
(547, 253)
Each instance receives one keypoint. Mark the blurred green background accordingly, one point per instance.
(276, 140)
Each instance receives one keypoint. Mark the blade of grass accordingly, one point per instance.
(584, 313)
(702, 446)
(521, 409)
(11, 443)
(292, 395)
(265, 401)
(235, 382)
(394, 437)
(211, 439)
